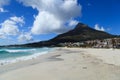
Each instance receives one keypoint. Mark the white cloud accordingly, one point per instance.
(10, 29)
(3, 10)
(2, 36)
(18, 19)
(73, 22)
(10, 26)
(45, 23)
(97, 27)
(53, 14)
(25, 37)
(3, 3)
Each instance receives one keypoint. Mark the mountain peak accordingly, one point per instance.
(81, 32)
(81, 25)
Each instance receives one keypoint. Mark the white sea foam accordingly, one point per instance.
(26, 50)
(9, 61)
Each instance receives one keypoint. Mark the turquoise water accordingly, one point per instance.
(12, 55)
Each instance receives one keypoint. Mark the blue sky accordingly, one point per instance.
(23, 21)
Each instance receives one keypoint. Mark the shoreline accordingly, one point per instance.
(73, 61)
(19, 64)
(32, 55)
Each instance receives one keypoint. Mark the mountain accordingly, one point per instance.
(81, 32)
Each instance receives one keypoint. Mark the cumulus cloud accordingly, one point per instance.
(53, 14)
(97, 27)
(45, 23)
(25, 37)
(10, 26)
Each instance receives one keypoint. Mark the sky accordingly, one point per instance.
(26, 21)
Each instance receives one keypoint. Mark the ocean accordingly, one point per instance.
(12, 55)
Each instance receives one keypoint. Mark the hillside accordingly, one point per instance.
(81, 32)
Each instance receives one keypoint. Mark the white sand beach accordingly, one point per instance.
(67, 64)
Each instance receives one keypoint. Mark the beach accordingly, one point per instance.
(67, 64)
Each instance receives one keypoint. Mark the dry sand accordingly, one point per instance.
(67, 64)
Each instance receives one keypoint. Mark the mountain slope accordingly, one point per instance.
(81, 32)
